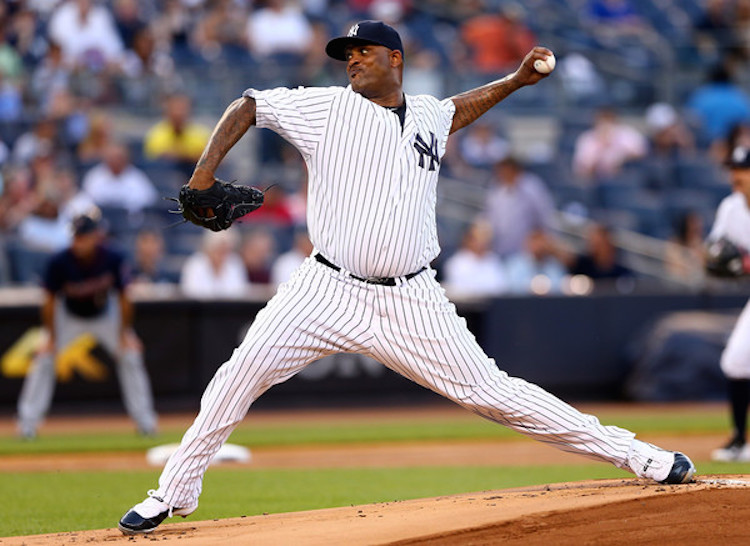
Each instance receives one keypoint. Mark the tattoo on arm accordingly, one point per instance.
(470, 105)
(236, 120)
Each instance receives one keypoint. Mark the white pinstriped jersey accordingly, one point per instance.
(733, 221)
(372, 185)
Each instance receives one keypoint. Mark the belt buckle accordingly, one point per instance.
(377, 280)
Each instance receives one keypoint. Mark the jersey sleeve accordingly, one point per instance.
(447, 109)
(299, 115)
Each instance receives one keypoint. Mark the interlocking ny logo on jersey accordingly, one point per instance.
(353, 31)
(430, 151)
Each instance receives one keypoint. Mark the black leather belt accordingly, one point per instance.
(385, 281)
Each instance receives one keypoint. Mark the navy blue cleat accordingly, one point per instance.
(146, 516)
(682, 470)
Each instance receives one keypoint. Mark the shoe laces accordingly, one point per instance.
(152, 494)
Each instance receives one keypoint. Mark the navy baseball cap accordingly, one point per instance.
(86, 223)
(365, 32)
(739, 158)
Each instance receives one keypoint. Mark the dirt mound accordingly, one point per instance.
(603, 512)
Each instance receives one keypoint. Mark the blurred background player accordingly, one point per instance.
(85, 294)
(733, 224)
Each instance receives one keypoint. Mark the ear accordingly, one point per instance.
(396, 58)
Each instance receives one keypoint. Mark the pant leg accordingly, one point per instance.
(735, 359)
(312, 315)
(136, 390)
(422, 338)
(131, 370)
(36, 393)
(39, 385)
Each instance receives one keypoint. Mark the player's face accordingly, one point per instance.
(370, 69)
(741, 182)
(84, 245)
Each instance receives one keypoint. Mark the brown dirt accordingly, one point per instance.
(712, 510)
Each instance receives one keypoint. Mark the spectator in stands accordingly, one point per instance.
(27, 35)
(216, 271)
(172, 27)
(148, 70)
(517, 203)
(45, 230)
(280, 31)
(539, 268)
(475, 270)
(148, 257)
(11, 99)
(41, 139)
(600, 261)
(286, 263)
(144, 59)
(117, 183)
(425, 75)
(50, 76)
(70, 113)
(481, 147)
(87, 35)
(176, 138)
(258, 251)
(617, 14)
(741, 28)
(128, 20)
(714, 31)
(11, 65)
(618, 25)
(601, 151)
(668, 135)
(684, 258)
(221, 30)
(496, 41)
(98, 136)
(18, 198)
(719, 104)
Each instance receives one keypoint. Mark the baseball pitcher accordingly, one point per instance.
(373, 155)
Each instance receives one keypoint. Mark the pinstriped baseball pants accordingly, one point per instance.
(413, 329)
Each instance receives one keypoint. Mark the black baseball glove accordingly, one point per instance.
(217, 207)
(725, 259)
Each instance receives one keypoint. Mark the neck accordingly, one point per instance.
(394, 98)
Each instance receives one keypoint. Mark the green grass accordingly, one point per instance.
(467, 428)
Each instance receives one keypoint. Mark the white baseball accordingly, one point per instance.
(545, 66)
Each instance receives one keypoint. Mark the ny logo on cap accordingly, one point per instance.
(354, 30)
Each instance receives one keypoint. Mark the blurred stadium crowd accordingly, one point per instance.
(111, 103)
